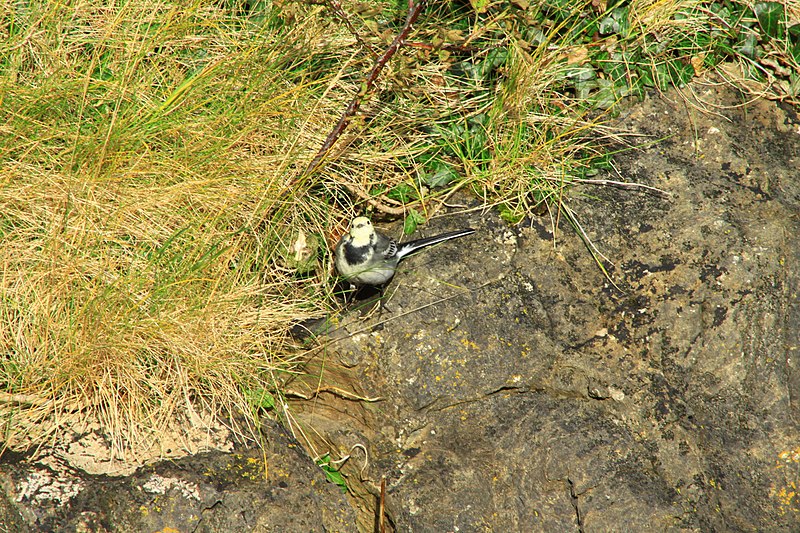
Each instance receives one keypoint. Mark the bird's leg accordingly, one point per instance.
(346, 291)
(382, 299)
(374, 302)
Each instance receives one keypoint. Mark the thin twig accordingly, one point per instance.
(378, 203)
(625, 185)
(382, 506)
(414, 9)
(593, 250)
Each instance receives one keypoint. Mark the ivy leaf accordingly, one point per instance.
(441, 175)
(402, 193)
(747, 46)
(510, 215)
(770, 17)
(413, 219)
(794, 40)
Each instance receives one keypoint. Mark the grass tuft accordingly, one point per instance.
(147, 190)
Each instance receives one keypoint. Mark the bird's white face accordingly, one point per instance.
(361, 231)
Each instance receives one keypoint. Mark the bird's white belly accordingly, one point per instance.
(374, 275)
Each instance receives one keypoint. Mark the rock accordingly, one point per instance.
(522, 391)
(279, 489)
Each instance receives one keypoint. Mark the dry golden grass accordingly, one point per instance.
(147, 177)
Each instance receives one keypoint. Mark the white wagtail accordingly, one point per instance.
(365, 257)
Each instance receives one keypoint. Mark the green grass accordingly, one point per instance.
(158, 237)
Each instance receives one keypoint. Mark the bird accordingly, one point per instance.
(363, 256)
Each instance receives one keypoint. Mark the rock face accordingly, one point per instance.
(522, 392)
(277, 490)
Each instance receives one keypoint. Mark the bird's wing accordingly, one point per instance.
(389, 246)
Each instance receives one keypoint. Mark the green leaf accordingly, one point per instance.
(615, 22)
(441, 174)
(747, 46)
(794, 84)
(680, 72)
(479, 5)
(510, 215)
(413, 219)
(331, 473)
(378, 189)
(771, 16)
(608, 93)
(495, 58)
(402, 193)
(260, 398)
(581, 73)
(794, 41)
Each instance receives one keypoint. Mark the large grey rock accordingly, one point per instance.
(522, 392)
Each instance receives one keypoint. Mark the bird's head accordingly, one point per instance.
(361, 231)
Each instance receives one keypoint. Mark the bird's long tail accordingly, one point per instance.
(410, 247)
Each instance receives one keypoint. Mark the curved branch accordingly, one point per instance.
(414, 9)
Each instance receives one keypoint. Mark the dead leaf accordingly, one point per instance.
(697, 63)
(577, 55)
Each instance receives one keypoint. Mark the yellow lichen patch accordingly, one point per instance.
(525, 349)
(250, 467)
(787, 495)
(469, 344)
